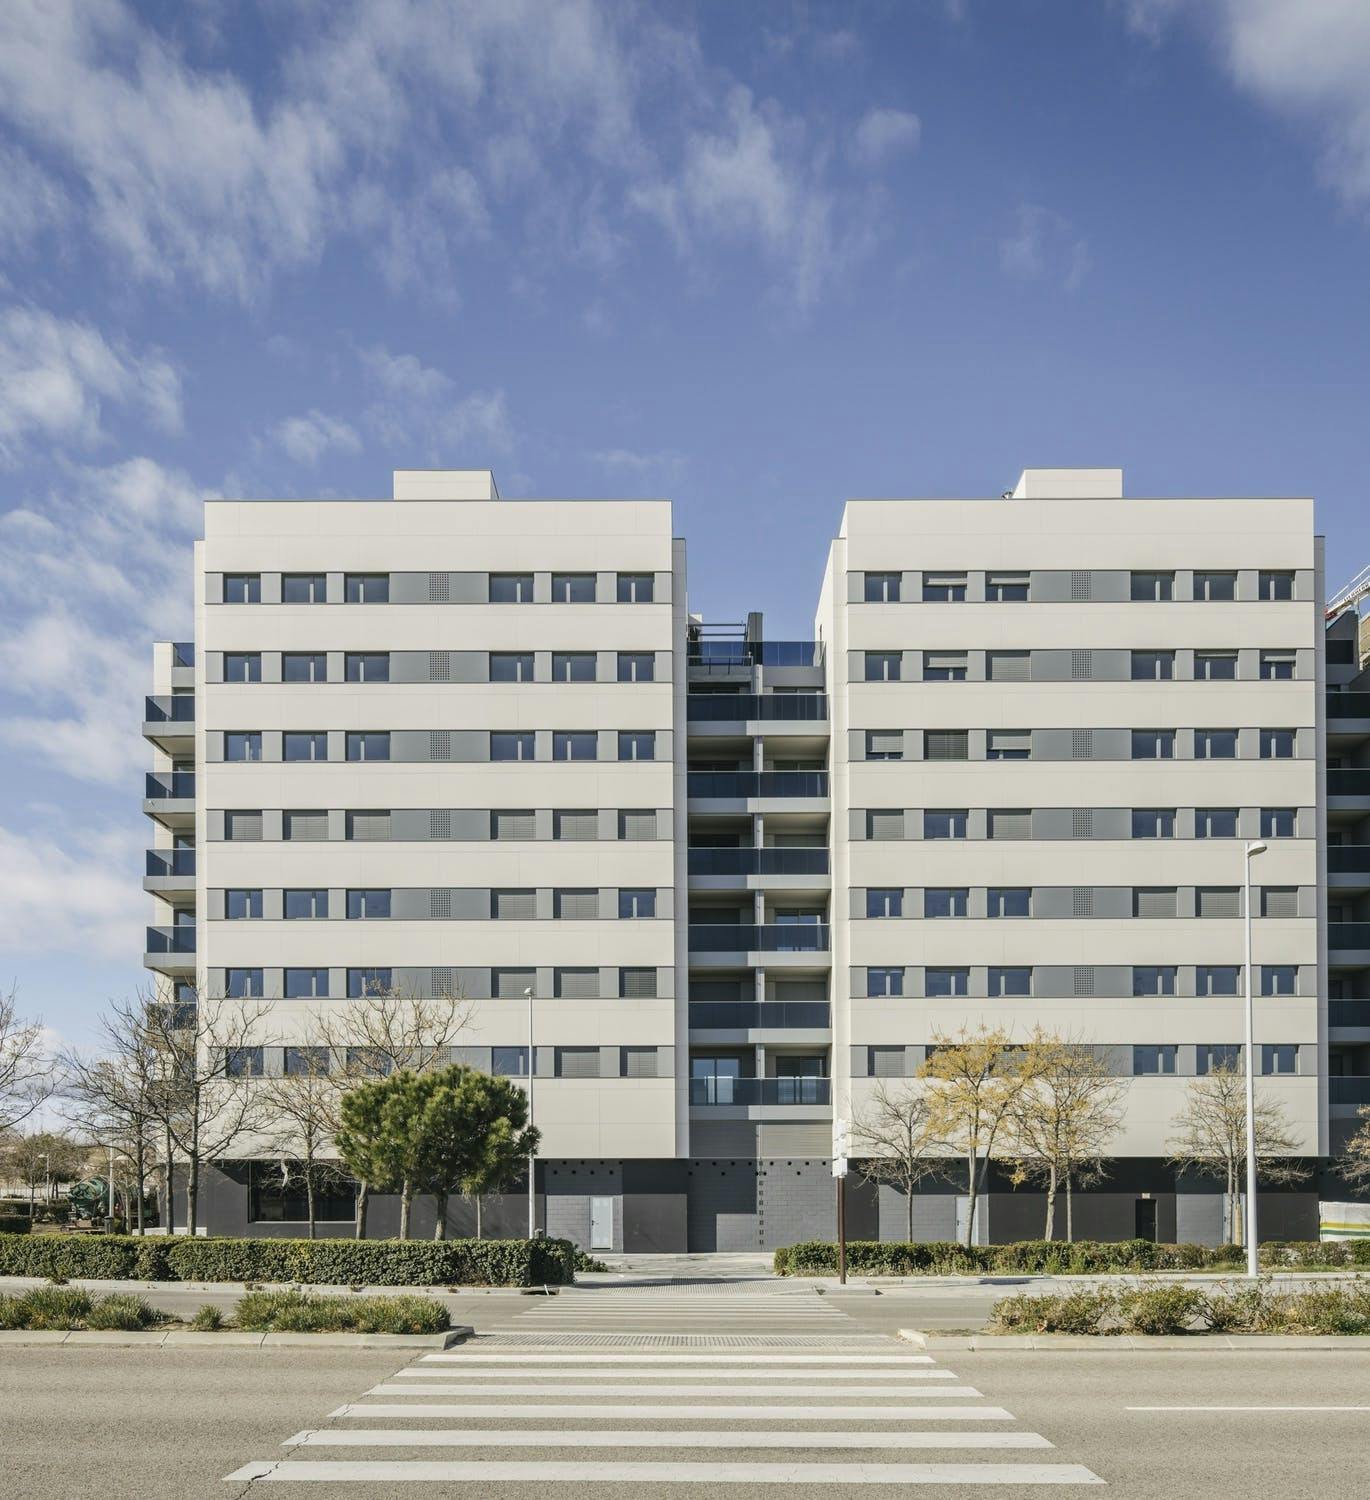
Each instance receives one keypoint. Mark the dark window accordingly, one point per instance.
(1279, 979)
(637, 903)
(1153, 822)
(240, 905)
(306, 1062)
(302, 744)
(943, 982)
(366, 905)
(243, 1062)
(882, 666)
(368, 744)
(279, 1198)
(575, 744)
(1153, 666)
(885, 903)
(1215, 586)
(517, 744)
(1153, 744)
(1153, 1060)
(1215, 744)
(1016, 981)
(1154, 587)
(304, 588)
(945, 901)
(368, 1062)
(510, 1062)
(1277, 744)
(944, 666)
(306, 984)
(635, 588)
(944, 588)
(1009, 744)
(1153, 979)
(1215, 666)
(573, 666)
(1281, 1057)
(882, 588)
(637, 744)
(243, 984)
(1217, 979)
(243, 744)
(511, 588)
(305, 905)
(1009, 901)
(1217, 1055)
(573, 588)
(367, 982)
(242, 666)
(635, 666)
(242, 588)
(304, 666)
(367, 666)
(944, 823)
(511, 666)
(884, 982)
(1277, 822)
(1007, 588)
(1276, 586)
(1215, 822)
(367, 588)
(1277, 666)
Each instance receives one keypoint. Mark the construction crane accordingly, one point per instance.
(1350, 596)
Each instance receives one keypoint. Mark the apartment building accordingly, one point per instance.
(1011, 779)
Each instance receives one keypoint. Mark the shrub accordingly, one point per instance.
(208, 1318)
(301, 1312)
(586, 1262)
(123, 1311)
(1160, 1309)
(15, 1223)
(55, 1307)
(1072, 1312)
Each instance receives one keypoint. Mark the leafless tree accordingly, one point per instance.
(301, 1116)
(26, 1070)
(41, 1158)
(1063, 1120)
(1355, 1161)
(974, 1082)
(1211, 1137)
(893, 1143)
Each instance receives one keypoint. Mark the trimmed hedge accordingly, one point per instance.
(335, 1262)
(1056, 1257)
(15, 1223)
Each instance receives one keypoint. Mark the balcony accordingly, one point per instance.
(743, 786)
(774, 937)
(1348, 937)
(741, 1015)
(725, 1092)
(170, 950)
(1343, 1013)
(1354, 1090)
(769, 708)
(170, 873)
(1348, 859)
(169, 722)
(751, 861)
(1347, 706)
(169, 796)
(1349, 781)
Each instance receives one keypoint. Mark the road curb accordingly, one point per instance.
(1063, 1343)
(187, 1338)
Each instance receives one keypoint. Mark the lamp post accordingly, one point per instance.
(1253, 848)
(532, 1155)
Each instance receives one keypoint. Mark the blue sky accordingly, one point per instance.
(756, 258)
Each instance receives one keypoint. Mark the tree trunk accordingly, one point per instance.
(361, 1210)
(141, 1178)
(908, 1206)
(169, 1222)
(309, 1198)
(406, 1198)
(971, 1190)
(479, 1234)
(1070, 1208)
(440, 1222)
(192, 1193)
(1051, 1204)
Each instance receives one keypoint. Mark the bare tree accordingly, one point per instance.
(894, 1143)
(1063, 1120)
(302, 1116)
(26, 1070)
(41, 1158)
(1355, 1161)
(974, 1081)
(1211, 1137)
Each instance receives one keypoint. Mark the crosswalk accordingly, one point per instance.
(662, 1389)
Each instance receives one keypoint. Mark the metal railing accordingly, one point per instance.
(756, 784)
(163, 863)
(743, 937)
(775, 1015)
(1348, 934)
(1339, 1012)
(770, 707)
(170, 940)
(162, 786)
(734, 651)
(725, 1091)
(178, 708)
(183, 653)
(749, 861)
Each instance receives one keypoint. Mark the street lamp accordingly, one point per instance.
(532, 1154)
(1253, 848)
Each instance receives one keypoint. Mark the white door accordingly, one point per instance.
(601, 1223)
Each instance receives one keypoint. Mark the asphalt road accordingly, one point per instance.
(723, 1369)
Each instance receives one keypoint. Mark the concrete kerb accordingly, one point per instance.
(186, 1338)
(1010, 1281)
(237, 1288)
(1041, 1343)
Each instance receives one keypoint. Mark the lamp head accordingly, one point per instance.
(1258, 846)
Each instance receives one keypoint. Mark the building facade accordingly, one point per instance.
(452, 744)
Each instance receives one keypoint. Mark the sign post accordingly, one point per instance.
(841, 1147)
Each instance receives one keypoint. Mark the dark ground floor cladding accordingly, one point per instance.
(718, 1204)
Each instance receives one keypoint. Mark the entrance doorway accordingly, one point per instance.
(1146, 1219)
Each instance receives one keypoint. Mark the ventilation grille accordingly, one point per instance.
(1082, 823)
(1081, 665)
(1082, 901)
(440, 904)
(1082, 979)
(1082, 744)
(439, 588)
(439, 666)
(1081, 585)
(443, 981)
(439, 744)
(440, 823)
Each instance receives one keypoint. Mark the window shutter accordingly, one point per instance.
(884, 742)
(577, 984)
(1219, 901)
(510, 984)
(635, 823)
(1158, 902)
(576, 825)
(885, 823)
(515, 906)
(639, 1062)
(1010, 824)
(1280, 901)
(577, 1062)
(243, 826)
(368, 827)
(305, 825)
(886, 1062)
(1010, 666)
(947, 744)
(514, 825)
(577, 906)
(638, 984)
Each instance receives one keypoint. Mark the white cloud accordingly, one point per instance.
(417, 406)
(1044, 246)
(30, 201)
(56, 375)
(664, 467)
(883, 133)
(306, 439)
(88, 877)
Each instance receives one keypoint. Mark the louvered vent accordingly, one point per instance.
(440, 823)
(439, 588)
(440, 904)
(1082, 980)
(1081, 585)
(440, 744)
(444, 981)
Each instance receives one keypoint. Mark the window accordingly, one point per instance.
(637, 903)
(1277, 822)
(939, 983)
(1275, 586)
(367, 666)
(944, 666)
(1217, 901)
(1153, 666)
(1277, 666)
(573, 588)
(1153, 822)
(1153, 587)
(301, 906)
(242, 904)
(945, 901)
(1007, 588)
(575, 1062)
(1155, 901)
(514, 906)
(1215, 586)
(576, 825)
(512, 666)
(575, 905)
(368, 1062)
(882, 588)
(1224, 1056)
(512, 984)
(367, 588)
(1280, 1057)
(884, 982)
(1215, 822)
(305, 1062)
(1280, 901)
(1153, 1060)
(242, 666)
(636, 823)
(637, 744)
(1217, 979)
(306, 984)
(242, 827)
(361, 982)
(1009, 666)
(368, 827)
(884, 744)
(509, 1062)
(575, 745)
(243, 984)
(635, 588)
(946, 744)
(1016, 981)
(1009, 744)
(242, 588)
(1153, 744)
(885, 903)
(882, 666)
(1279, 979)
(369, 744)
(1010, 823)
(304, 666)
(243, 745)
(944, 588)
(944, 823)
(511, 588)
(516, 744)
(885, 823)
(1009, 901)
(513, 826)
(1215, 666)
(1215, 744)
(304, 588)
(636, 666)
(1277, 744)
(243, 1062)
(1153, 979)
(299, 744)
(637, 984)
(369, 905)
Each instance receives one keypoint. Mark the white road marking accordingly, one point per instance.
(646, 1411)
(415, 1372)
(421, 1471)
(602, 1388)
(463, 1437)
(514, 1356)
(1246, 1408)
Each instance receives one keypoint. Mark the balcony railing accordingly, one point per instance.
(742, 1015)
(1348, 934)
(743, 937)
(1348, 705)
(770, 707)
(1339, 1012)
(750, 861)
(1348, 859)
(740, 653)
(170, 940)
(1348, 781)
(179, 708)
(756, 784)
(183, 653)
(1344, 1090)
(726, 1091)
(164, 786)
(162, 864)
